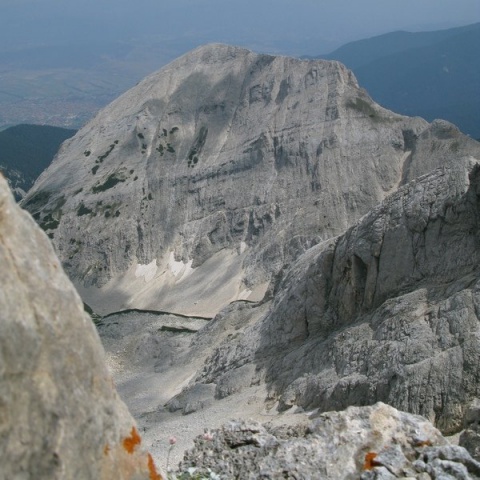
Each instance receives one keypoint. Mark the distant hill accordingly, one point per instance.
(26, 150)
(429, 74)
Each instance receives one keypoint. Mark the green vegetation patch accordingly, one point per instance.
(101, 158)
(37, 201)
(49, 222)
(49, 218)
(363, 106)
(112, 180)
(83, 210)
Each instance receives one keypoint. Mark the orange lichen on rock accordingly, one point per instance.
(132, 441)
(370, 461)
(424, 443)
(106, 449)
(154, 475)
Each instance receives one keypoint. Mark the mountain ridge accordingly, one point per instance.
(169, 164)
(430, 74)
(351, 231)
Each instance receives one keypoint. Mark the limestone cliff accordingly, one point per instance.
(204, 181)
(388, 312)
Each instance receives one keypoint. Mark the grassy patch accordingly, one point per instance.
(101, 158)
(49, 222)
(83, 210)
(37, 201)
(362, 106)
(112, 180)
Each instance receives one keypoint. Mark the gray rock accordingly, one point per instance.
(376, 442)
(470, 437)
(232, 163)
(386, 312)
(60, 416)
(193, 398)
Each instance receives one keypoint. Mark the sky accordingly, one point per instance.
(275, 26)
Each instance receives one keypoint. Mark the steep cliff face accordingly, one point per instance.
(60, 415)
(386, 312)
(224, 161)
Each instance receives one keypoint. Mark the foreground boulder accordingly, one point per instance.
(60, 416)
(375, 442)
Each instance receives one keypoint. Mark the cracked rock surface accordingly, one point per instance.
(376, 442)
(386, 312)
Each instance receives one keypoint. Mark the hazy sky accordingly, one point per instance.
(288, 26)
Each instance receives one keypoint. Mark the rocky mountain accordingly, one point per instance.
(430, 74)
(61, 417)
(228, 161)
(386, 312)
(48, 399)
(27, 150)
(296, 245)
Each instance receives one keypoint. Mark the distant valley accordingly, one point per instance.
(27, 150)
(427, 74)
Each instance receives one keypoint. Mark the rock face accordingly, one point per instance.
(470, 437)
(375, 442)
(386, 312)
(60, 416)
(336, 242)
(224, 161)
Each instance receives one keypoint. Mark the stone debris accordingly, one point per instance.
(377, 442)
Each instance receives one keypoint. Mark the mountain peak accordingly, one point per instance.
(218, 170)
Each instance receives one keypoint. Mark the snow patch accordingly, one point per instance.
(147, 271)
(179, 268)
(244, 294)
(243, 247)
(188, 270)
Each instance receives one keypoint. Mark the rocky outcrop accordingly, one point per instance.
(220, 170)
(470, 437)
(386, 312)
(60, 416)
(375, 442)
